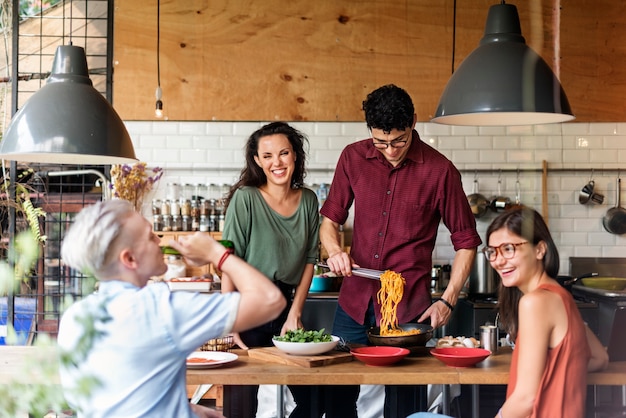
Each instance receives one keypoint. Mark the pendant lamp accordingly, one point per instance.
(68, 121)
(503, 81)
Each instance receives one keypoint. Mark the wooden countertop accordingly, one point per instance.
(419, 368)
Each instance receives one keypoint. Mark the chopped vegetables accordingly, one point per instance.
(302, 336)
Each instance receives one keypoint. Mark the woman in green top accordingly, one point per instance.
(274, 223)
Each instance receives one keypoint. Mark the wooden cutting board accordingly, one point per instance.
(274, 355)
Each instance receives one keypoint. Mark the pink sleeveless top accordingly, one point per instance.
(563, 388)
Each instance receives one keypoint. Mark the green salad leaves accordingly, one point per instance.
(302, 336)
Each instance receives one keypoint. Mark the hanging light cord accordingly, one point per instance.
(159, 43)
(159, 104)
(453, 35)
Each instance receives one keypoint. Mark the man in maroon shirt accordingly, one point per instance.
(401, 189)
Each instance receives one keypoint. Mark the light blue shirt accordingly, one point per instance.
(140, 359)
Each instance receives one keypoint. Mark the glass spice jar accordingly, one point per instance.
(165, 208)
(186, 221)
(167, 223)
(177, 223)
(157, 222)
(156, 206)
(204, 223)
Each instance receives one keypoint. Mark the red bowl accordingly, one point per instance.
(460, 356)
(379, 355)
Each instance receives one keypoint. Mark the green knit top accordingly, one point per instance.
(279, 246)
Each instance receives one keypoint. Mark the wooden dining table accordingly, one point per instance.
(420, 368)
(417, 369)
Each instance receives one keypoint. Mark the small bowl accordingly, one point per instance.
(460, 356)
(306, 349)
(379, 356)
(321, 284)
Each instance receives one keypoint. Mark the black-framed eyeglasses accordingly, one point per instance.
(507, 250)
(396, 143)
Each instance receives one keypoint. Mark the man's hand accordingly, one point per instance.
(341, 263)
(438, 313)
(237, 340)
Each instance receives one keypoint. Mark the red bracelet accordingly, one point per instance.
(228, 252)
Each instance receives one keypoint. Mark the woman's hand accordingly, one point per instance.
(291, 324)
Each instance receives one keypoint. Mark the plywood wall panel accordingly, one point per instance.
(316, 61)
(593, 51)
(296, 60)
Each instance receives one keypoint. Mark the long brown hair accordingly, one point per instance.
(253, 175)
(530, 225)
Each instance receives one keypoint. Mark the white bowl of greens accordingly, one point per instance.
(306, 343)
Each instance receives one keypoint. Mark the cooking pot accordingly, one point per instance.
(614, 220)
(498, 202)
(483, 279)
(477, 201)
(406, 341)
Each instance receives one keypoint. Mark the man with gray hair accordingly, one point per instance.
(131, 340)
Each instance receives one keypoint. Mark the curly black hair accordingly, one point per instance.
(389, 107)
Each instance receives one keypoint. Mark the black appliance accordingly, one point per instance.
(611, 320)
(611, 304)
(472, 312)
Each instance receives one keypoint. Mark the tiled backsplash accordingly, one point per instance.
(212, 153)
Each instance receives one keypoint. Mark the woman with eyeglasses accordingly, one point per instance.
(554, 349)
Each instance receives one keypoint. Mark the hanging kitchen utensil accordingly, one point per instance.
(500, 203)
(614, 220)
(477, 201)
(587, 193)
(518, 193)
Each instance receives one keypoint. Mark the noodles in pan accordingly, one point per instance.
(389, 296)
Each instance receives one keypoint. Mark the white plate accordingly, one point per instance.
(214, 359)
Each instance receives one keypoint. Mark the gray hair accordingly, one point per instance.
(95, 228)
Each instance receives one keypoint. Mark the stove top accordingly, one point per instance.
(590, 291)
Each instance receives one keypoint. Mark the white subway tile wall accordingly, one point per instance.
(212, 153)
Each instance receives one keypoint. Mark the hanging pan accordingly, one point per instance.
(614, 220)
(477, 201)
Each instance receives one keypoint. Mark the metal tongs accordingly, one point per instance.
(361, 272)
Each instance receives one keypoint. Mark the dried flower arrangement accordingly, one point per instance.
(132, 183)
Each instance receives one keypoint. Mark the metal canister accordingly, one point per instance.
(489, 337)
(435, 275)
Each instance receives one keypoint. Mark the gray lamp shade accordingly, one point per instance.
(503, 81)
(68, 121)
